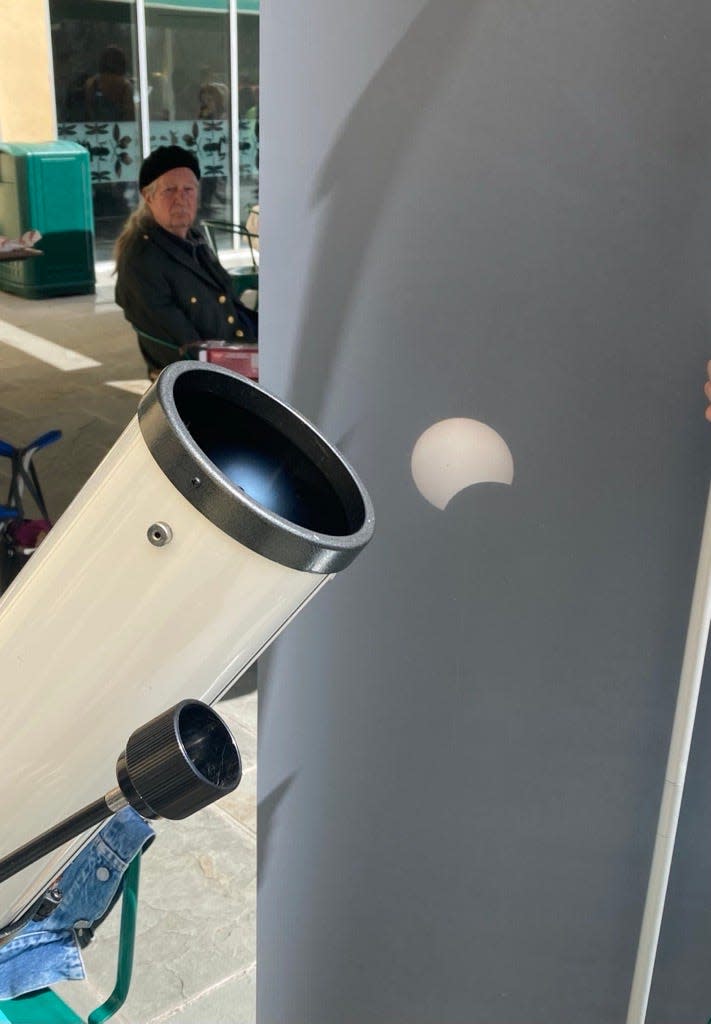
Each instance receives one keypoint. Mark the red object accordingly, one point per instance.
(28, 533)
(240, 358)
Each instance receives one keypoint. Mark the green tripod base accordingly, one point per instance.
(45, 1007)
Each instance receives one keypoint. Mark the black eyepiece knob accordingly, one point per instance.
(178, 763)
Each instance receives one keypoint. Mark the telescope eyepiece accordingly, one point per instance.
(179, 762)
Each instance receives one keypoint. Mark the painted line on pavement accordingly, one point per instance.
(62, 358)
(136, 387)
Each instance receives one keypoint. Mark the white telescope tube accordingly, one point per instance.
(216, 515)
(687, 700)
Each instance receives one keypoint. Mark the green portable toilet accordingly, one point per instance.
(47, 186)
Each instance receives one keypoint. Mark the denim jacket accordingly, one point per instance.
(47, 951)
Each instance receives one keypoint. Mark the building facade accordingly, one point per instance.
(121, 77)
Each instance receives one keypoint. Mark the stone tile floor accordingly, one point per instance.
(195, 946)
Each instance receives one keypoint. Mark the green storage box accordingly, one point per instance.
(47, 186)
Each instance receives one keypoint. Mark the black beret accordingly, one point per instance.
(163, 159)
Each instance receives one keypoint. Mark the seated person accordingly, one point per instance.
(170, 284)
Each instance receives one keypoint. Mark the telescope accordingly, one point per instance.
(176, 764)
(213, 520)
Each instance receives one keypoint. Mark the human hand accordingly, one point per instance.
(18, 248)
(707, 390)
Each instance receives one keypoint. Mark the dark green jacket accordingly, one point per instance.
(178, 291)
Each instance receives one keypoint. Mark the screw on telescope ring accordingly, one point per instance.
(159, 534)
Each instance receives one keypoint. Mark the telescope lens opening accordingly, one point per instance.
(275, 459)
(209, 746)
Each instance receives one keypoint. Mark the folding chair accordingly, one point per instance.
(19, 534)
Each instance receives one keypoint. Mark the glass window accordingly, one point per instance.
(189, 99)
(96, 85)
(248, 110)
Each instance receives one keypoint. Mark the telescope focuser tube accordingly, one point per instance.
(176, 764)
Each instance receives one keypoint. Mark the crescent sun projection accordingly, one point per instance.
(456, 453)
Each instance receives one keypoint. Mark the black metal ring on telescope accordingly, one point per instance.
(183, 418)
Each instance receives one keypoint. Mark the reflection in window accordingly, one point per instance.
(188, 66)
(96, 85)
(189, 97)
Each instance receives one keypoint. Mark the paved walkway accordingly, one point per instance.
(195, 949)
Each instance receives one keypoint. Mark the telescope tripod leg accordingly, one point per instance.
(45, 1006)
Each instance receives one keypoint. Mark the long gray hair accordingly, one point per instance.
(138, 221)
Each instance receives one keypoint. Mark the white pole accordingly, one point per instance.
(687, 699)
(234, 122)
(143, 77)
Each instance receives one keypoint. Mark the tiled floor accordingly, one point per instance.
(195, 947)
